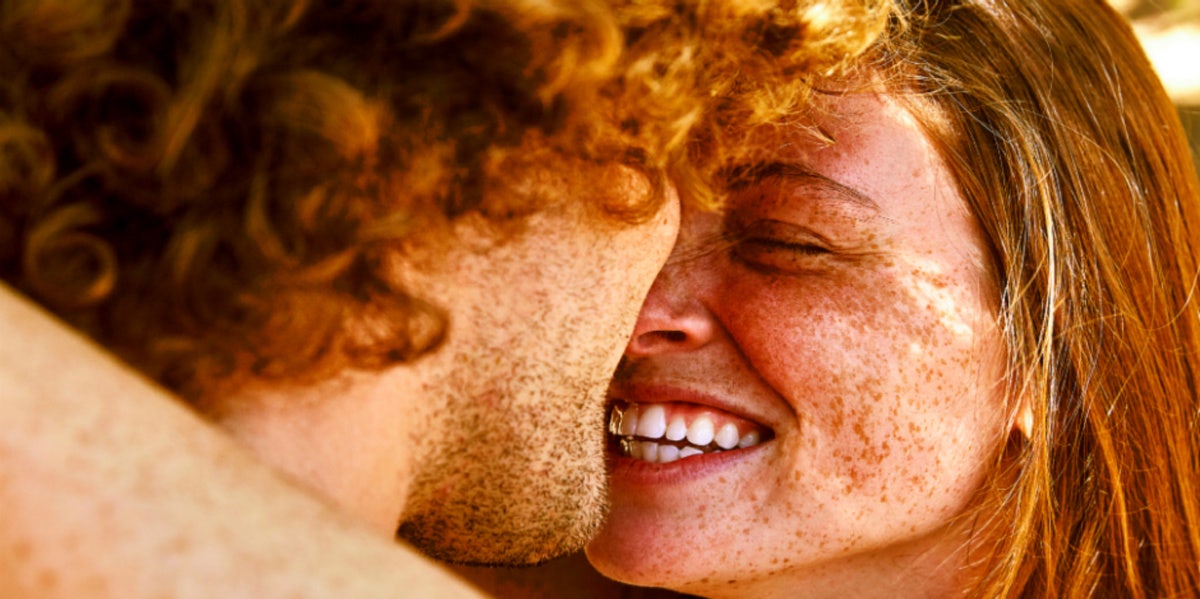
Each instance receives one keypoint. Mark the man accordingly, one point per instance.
(395, 251)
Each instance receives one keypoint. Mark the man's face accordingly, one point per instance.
(510, 466)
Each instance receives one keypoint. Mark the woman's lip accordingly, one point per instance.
(633, 472)
(626, 470)
(643, 393)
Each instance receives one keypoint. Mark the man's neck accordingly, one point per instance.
(315, 435)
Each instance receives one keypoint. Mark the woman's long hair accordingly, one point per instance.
(1073, 159)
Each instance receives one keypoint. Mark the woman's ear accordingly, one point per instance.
(1023, 418)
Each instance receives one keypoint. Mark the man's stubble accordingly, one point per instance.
(519, 476)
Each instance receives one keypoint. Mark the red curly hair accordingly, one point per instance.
(209, 187)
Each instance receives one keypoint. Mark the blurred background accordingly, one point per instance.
(1170, 33)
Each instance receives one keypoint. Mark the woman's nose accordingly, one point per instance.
(672, 319)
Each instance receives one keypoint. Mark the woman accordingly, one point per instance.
(941, 339)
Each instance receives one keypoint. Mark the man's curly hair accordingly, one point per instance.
(210, 188)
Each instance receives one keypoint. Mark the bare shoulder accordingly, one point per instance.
(111, 488)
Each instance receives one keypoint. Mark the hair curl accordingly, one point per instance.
(210, 187)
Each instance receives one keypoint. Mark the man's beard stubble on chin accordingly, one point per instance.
(521, 478)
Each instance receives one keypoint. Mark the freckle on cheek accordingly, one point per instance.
(22, 551)
(47, 580)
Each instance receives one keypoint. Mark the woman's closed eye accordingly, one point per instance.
(780, 247)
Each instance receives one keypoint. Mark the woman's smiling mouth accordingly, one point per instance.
(669, 431)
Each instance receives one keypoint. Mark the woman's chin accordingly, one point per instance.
(628, 565)
(648, 548)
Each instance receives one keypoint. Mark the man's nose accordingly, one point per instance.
(673, 319)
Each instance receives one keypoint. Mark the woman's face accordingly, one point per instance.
(833, 330)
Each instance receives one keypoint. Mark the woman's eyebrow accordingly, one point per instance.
(742, 176)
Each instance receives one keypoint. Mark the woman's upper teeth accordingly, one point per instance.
(665, 432)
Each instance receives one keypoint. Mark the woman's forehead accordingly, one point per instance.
(865, 144)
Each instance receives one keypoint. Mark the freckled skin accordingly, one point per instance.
(877, 363)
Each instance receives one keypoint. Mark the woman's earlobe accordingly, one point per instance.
(1023, 419)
